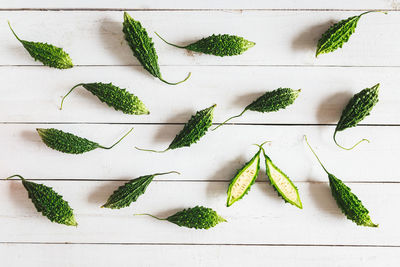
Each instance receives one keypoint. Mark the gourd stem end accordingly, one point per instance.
(116, 143)
(229, 119)
(62, 100)
(184, 80)
(312, 150)
(15, 175)
(151, 150)
(147, 214)
(351, 148)
(165, 41)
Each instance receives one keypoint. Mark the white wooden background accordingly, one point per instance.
(262, 229)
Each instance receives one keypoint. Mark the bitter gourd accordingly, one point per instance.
(338, 34)
(49, 202)
(346, 200)
(271, 101)
(359, 106)
(281, 183)
(218, 45)
(48, 54)
(130, 192)
(115, 97)
(70, 143)
(142, 47)
(244, 179)
(193, 130)
(198, 217)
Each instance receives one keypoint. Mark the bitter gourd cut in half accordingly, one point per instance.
(359, 106)
(198, 217)
(49, 202)
(193, 130)
(130, 192)
(244, 179)
(281, 183)
(113, 96)
(346, 200)
(48, 54)
(270, 101)
(70, 143)
(338, 34)
(142, 47)
(218, 45)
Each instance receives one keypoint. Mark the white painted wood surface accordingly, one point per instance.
(261, 229)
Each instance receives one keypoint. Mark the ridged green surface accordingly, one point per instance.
(130, 192)
(49, 203)
(142, 47)
(274, 100)
(349, 203)
(194, 129)
(113, 96)
(198, 217)
(48, 54)
(66, 142)
(338, 34)
(237, 183)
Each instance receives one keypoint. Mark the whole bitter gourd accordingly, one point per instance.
(70, 143)
(49, 202)
(193, 130)
(338, 34)
(359, 106)
(48, 54)
(143, 47)
(271, 101)
(218, 45)
(346, 200)
(113, 96)
(130, 192)
(198, 217)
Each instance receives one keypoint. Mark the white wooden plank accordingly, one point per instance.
(325, 91)
(216, 156)
(260, 218)
(283, 38)
(208, 4)
(64, 255)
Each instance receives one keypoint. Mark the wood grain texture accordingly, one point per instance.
(216, 156)
(103, 255)
(282, 38)
(260, 218)
(207, 4)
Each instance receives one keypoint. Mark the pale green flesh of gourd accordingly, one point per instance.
(283, 185)
(244, 180)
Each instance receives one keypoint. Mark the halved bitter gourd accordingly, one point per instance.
(245, 177)
(281, 183)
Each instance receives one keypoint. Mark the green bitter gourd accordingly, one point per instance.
(113, 96)
(244, 179)
(48, 54)
(49, 202)
(193, 130)
(338, 34)
(347, 201)
(130, 191)
(282, 183)
(198, 217)
(271, 101)
(70, 143)
(359, 106)
(218, 45)
(143, 47)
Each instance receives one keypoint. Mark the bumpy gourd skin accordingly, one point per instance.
(141, 45)
(359, 106)
(348, 202)
(254, 160)
(49, 203)
(118, 98)
(338, 34)
(274, 100)
(194, 129)
(221, 45)
(198, 217)
(66, 142)
(130, 191)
